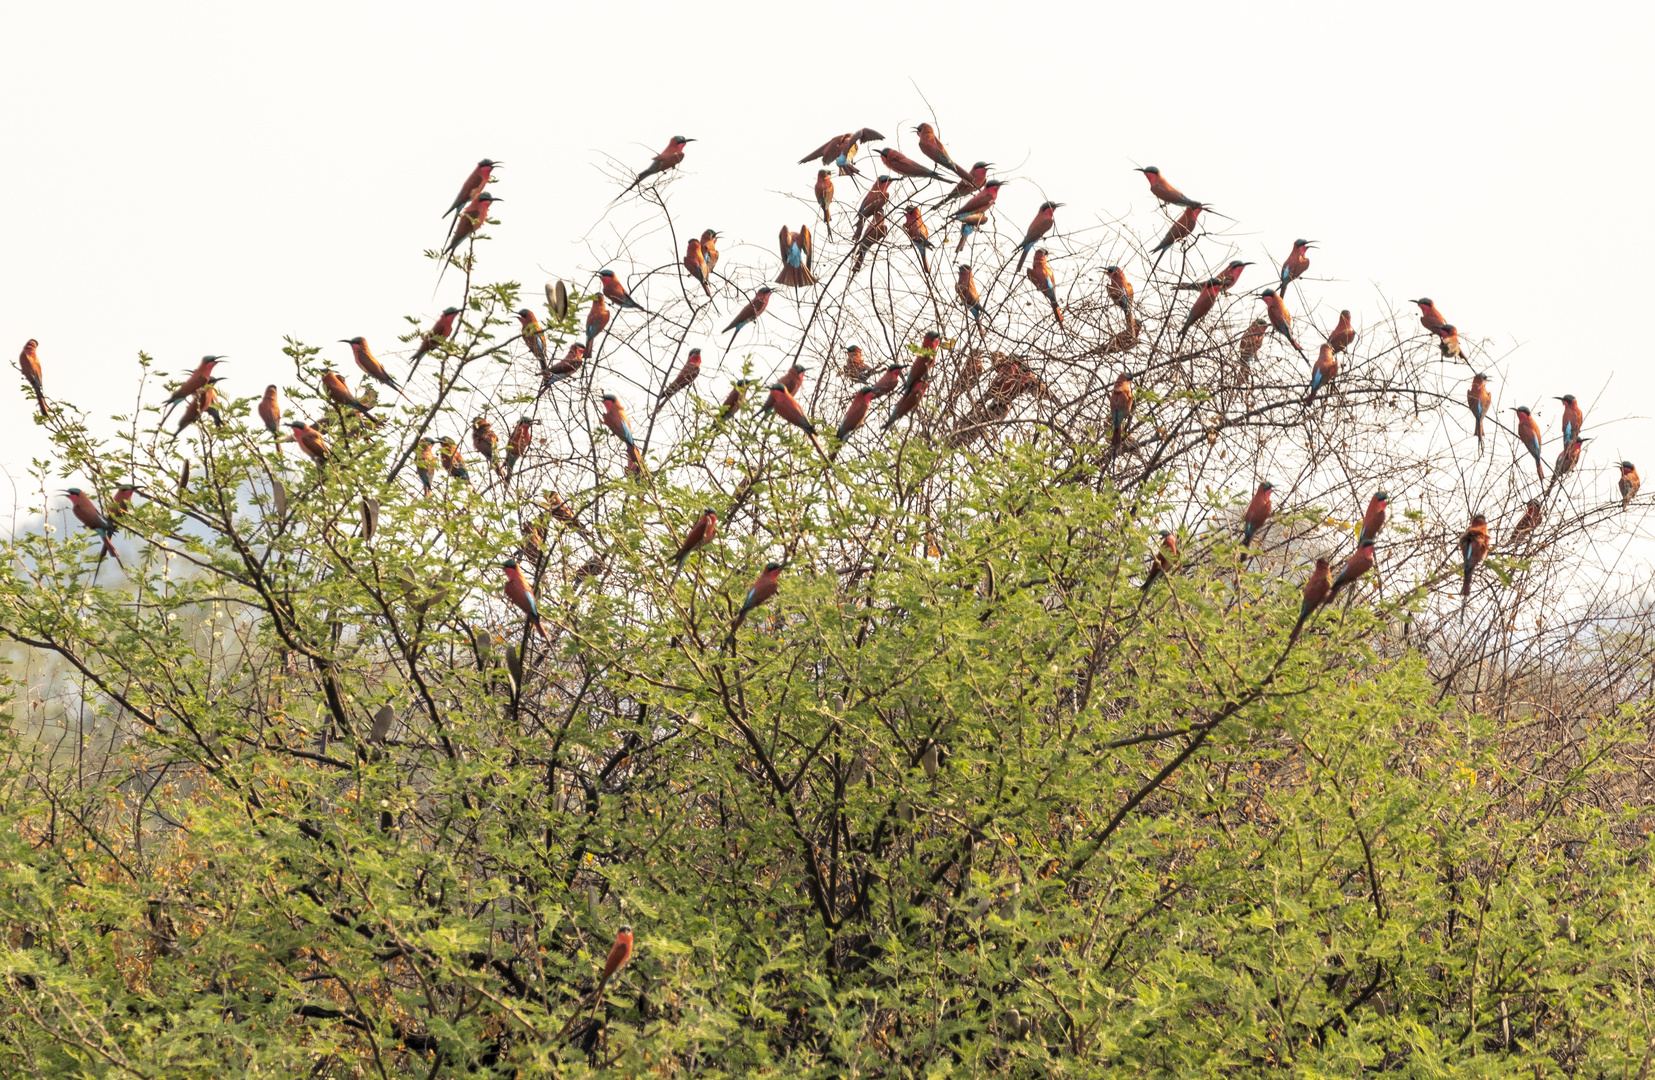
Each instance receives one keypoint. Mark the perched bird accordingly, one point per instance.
(87, 513)
(1294, 266)
(1044, 219)
(194, 382)
(856, 414)
(908, 402)
(1118, 289)
(980, 202)
(686, 375)
(873, 204)
(889, 381)
(763, 588)
(1252, 338)
(1120, 411)
(425, 461)
(750, 311)
(517, 445)
(1355, 566)
(614, 418)
(1429, 316)
(205, 403)
(1181, 230)
(597, 320)
(1203, 305)
(973, 180)
(1325, 371)
(1477, 398)
(1567, 460)
(914, 225)
(1448, 343)
(794, 380)
(517, 591)
(122, 503)
(1373, 518)
(932, 147)
(796, 258)
(566, 367)
(856, 369)
(270, 411)
(696, 263)
(786, 407)
(340, 394)
(1258, 512)
(1343, 336)
(1316, 591)
(1529, 522)
(734, 399)
(440, 332)
(1162, 190)
(824, 195)
(1227, 278)
(1473, 550)
(1281, 320)
(1573, 418)
(370, 367)
(701, 534)
(1161, 564)
(709, 249)
(969, 224)
(615, 292)
(453, 462)
(469, 223)
(29, 361)
(534, 335)
(1040, 273)
(903, 165)
(310, 441)
(1629, 483)
(1528, 433)
(965, 289)
(871, 238)
(473, 187)
(486, 442)
(669, 158)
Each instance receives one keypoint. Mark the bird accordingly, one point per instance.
(889, 381)
(453, 462)
(1119, 289)
(441, 331)
(1528, 433)
(969, 224)
(1473, 550)
(762, 589)
(518, 443)
(734, 399)
(1316, 590)
(1355, 566)
(965, 289)
(425, 461)
(310, 441)
(839, 145)
(914, 225)
(193, 383)
(1325, 371)
(471, 219)
(709, 249)
(786, 407)
(1203, 304)
(1573, 418)
(1629, 483)
(340, 394)
(1164, 191)
(1448, 342)
(87, 513)
(686, 375)
(1120, 411)
(1528, 522)
(856, 369)
(856, 414)
(695, 262)
(700, 534)
(824, 195)
(1429, 316)
(1181, 229)
(1477, 398)
(517, 591)
(1281, 320)
(1040, 273)
(1044, 219)
(1343, 336)
(794, 380)
(1227, 278)
(903, 165)
(534, 335)
(614, 418)
(486, 442)
(871, 238)
(1252, 338)
(750, 311)
(665, 160)
(1161, 564)
(270, 411)
(1296, 263)
(205, 403)
(932, 147)
(796, 258)
(908, 402)
(1258, 512)
(873, 204)
(597, 319)
(981, 202)
(615, 292)
(1567, 459)
(973, 180)
(473, 187)
(370, 367)
(1373, 518)
(566, 367)
(29, 361)
(122, 502)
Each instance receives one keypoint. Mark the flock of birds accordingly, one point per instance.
(907, 381)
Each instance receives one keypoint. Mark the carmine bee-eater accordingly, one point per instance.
(597, 319)
(871, 238)
(1227, 277)
(788, 408)
(1429, 316)
(340, 394)
(1281, 320)
(87, 513)
(1119, 290)
(1162, 190)
(932, 147)
(517, 445)
(1161, 564)
(855, 415)
(1629, 483)
(686, 375)
(571, 362)
(1355, 566)
(615, 292)
(974, 180)
(1528, 433)
(750, 311)
(1316, 591)
(1294, 266)
(122, 503)
(1473, 550)
(1529, 522)
(700, 535)
(473, 187)
(1477, 398)
(310, 441)
(29, 361)
(517, 591)
(965, 289)
(1567, 459)
(1573, 418)
(666, 159)
(534, 336)
(981, 202)
(1448, 342)
(889, 381)
(270, 411)
(1044, 219)
(969, 224)
(194, 382)
(1120, 411)
(903, 165)
(839, 145)
(369, 366)
(761, 590)
(1252, 338)
(1258, 512)
(1324, 372)
(614, 418)
(440, 332)
(856, 369)
(908, 402)
(1040, 273)
(1203, 305)
(205, 403)
(1181, 230)
(425, 461)
(485, 442)
(796, 258)
(914, 225)
(709, 249)
(453, 462)
(733, 400)
(873, 205)
(1373, 518)
(925, 358)
(696, 263)
(824, 195)
(794, 380)
(469, 223)
(1343, 335)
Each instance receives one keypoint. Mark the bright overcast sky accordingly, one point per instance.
(205, 178)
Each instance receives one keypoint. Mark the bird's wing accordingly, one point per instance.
(804, 241)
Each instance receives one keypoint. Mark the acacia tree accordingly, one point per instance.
(304, 795)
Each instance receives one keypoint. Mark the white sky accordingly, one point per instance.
(195, 178)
